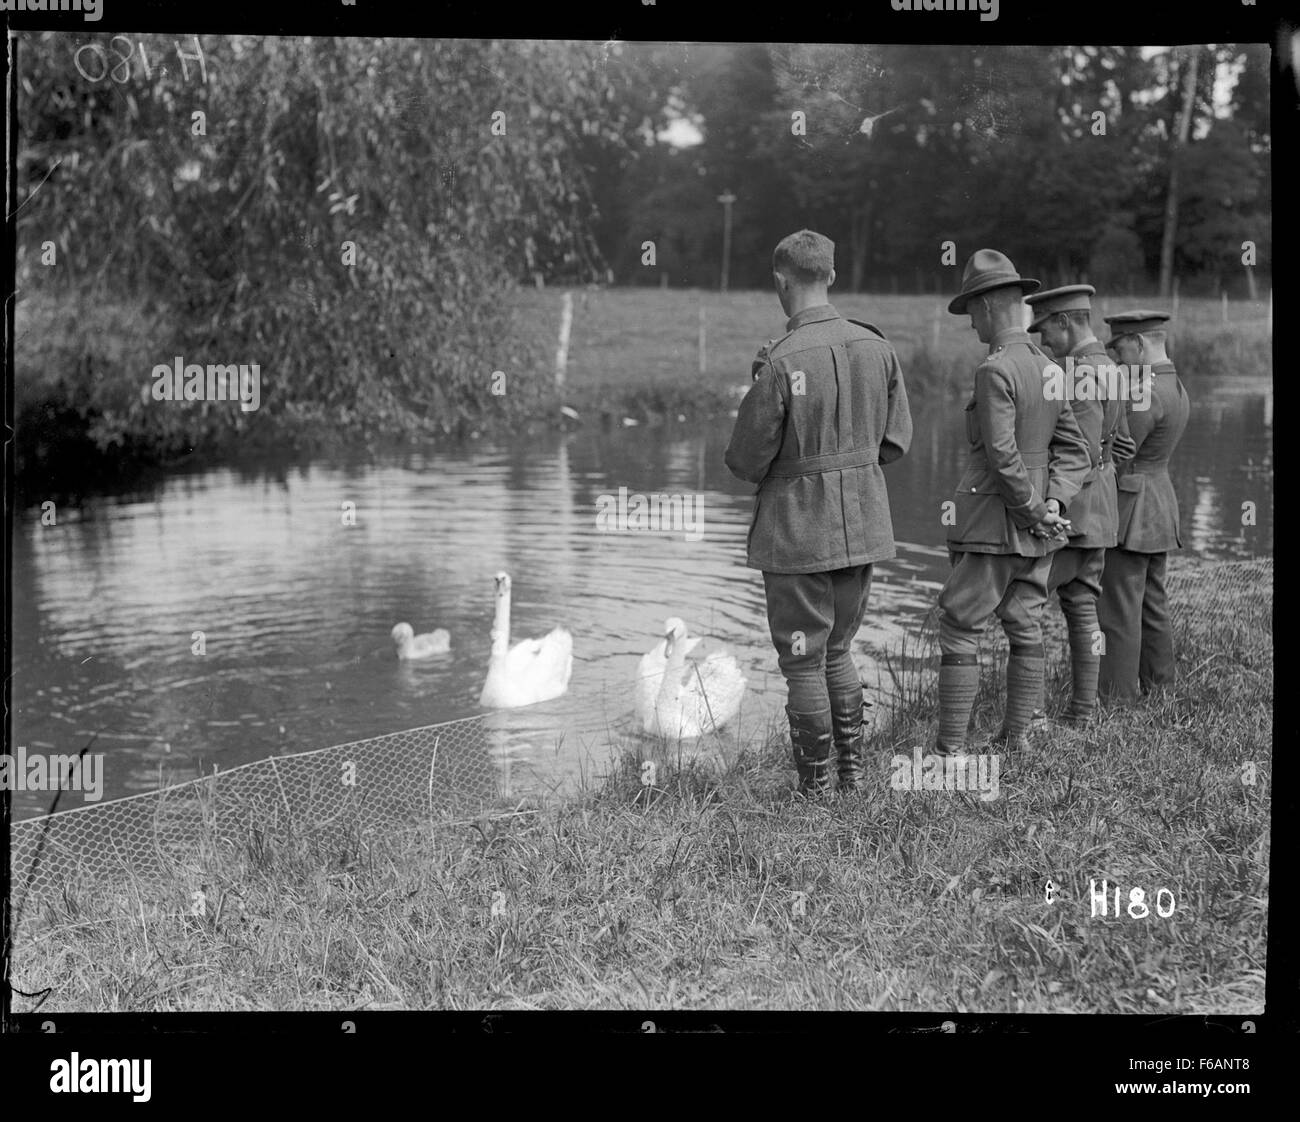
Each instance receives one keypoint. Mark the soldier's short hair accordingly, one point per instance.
(1158, 338)
(1004, 296)
(806, 256)
(1080, 317)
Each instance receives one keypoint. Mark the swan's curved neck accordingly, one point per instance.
(670, 684)
(501, 625)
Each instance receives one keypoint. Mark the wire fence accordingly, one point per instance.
(383, 783)
(418, 776)
(1228, 603)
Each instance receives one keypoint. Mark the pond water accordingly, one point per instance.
(296, 607)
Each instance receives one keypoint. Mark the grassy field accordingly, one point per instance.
(637, 352)
(717, 888)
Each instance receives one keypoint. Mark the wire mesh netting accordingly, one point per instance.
(1223, 596)
(385, 782)
(1228, 598)
(418, 776)
(1226, 601)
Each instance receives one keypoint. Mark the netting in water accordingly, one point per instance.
(1228, 601)
(385, 782)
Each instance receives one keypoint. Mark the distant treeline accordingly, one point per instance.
(1059, 156)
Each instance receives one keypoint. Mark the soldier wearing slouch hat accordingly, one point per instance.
(1028, 460)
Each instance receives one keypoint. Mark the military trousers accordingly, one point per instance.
(1075, 577)
(1076, 580)
(982, 585)
(813, 618)
(1133, 614)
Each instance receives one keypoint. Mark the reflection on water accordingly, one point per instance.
(295, 607)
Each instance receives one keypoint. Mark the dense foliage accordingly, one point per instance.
(346, 214)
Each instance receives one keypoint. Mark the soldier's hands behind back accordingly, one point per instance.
(1052, 526)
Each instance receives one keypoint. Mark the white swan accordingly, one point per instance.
(532, 670)
(697, 695)
(411, 646)
(650, 671)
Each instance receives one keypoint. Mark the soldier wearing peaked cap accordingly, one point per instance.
(826, 409)
(1063, 319)
(1028, 460)
(1133, 610)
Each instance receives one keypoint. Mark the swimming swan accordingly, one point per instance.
(410, 645)
(532, 670)
(697, 695)
(650, 671)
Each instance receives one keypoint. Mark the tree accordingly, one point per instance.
(1218, 205)
(348, 213)
(1167, 242)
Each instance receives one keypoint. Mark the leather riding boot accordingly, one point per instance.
(810, 737)
(848, 724)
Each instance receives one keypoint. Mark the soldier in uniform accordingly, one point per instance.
(1063, 319)
(1133, 610)
(826, 408)
(1028, 460)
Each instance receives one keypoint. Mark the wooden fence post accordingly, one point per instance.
(703, 363)
(562, 352)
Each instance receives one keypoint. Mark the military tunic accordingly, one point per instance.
(1133, 610)
(827, 408)
(1094, 514)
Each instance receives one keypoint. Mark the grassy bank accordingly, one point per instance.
(636, 352)
(717, 888)
(81, 369)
